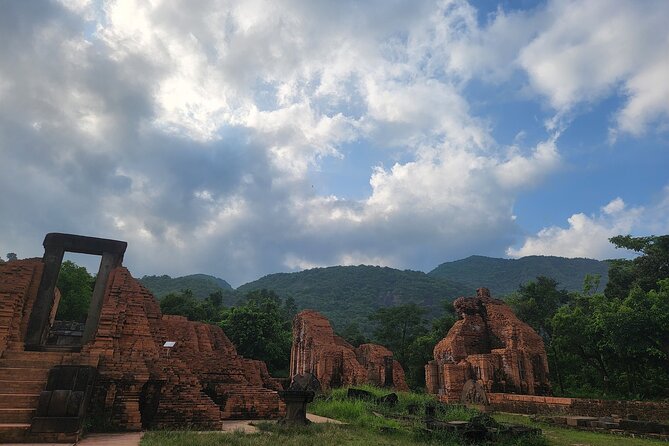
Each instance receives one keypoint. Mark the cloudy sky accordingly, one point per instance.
(244, 138)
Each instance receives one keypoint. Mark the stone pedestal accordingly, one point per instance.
(296, 406)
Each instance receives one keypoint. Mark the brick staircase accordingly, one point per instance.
(23, 375)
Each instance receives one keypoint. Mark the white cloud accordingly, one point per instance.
(587, 235)
(591, 50)
(193, 130)
(574, 53)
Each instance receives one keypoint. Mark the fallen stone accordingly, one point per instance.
(359, 394)
(389, 400)
(579, 421)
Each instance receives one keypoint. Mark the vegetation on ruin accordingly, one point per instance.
(504, 276)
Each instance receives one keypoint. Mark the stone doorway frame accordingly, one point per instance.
(55, 246)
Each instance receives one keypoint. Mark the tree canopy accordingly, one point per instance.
(260, 328)
(76, 288)
(614, 343)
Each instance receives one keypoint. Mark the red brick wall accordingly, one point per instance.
(490, 345)
(127, 351)
(530, 404)
(317, 350)
(19, 281)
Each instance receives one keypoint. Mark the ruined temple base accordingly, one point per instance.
(544, 405)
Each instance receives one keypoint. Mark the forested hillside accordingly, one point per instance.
(503, 276)
(348, 294)
(202, 285)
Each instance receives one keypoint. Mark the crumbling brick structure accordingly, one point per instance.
(335, 362)
(198, 382)
(488, 350)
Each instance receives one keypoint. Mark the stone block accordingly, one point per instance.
(58, 403)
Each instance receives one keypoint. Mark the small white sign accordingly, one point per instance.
(169, 344)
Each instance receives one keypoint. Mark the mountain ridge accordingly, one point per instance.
(503, 276)
(348, 294)
(200, 284)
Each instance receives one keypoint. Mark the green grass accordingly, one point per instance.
(389, 426)
(338, 406)
(558, 436)
(321, 435)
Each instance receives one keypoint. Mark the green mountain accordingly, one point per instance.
(503, 276)
(348, 294)
(201, 285)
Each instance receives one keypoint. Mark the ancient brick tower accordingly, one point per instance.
(119, 372)
(488, 350)
(335, 362)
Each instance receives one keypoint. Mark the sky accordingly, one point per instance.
(240, 139)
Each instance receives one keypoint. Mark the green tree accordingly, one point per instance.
(11, 257)
(260, 329)
(76, 287)
(536, 303)
(215, 299)
(211, 307)
(620, 347)
(644, 271)
(398, 328)
(183, 304)
(353, 335)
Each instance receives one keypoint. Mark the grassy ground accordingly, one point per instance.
(321, 435)
(568, 437)
(369, 423)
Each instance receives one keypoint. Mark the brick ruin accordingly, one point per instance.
(140, 384)
(487, 350)
(317, 350)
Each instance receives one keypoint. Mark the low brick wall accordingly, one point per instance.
(530, 404)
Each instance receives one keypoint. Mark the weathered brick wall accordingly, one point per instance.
(335, 362)
(19, 281)
(127, 349)
(243, 386)
(532, 404)
(489, 344)
(201, 381)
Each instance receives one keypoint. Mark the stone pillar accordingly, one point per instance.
(109, 261)
(38, 324)
(296, 406)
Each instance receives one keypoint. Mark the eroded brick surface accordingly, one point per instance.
(531, 404)
(317, 350)
(490, 345)
(199, 382)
